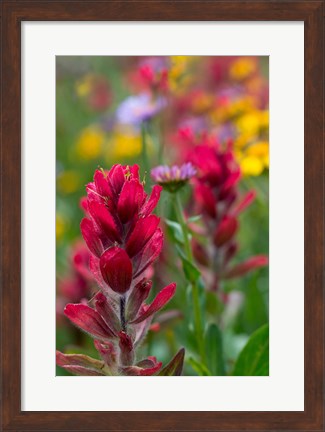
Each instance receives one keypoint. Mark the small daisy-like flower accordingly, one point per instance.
(137, 109)
(173, 178)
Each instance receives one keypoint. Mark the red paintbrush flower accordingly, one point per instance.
(124, 239)
(216, 193)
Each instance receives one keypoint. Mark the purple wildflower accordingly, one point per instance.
(172, 178)
(137, 109)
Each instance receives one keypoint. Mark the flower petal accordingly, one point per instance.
(116, 178)
(246, 266)
(143, 327)
(142, 371)
(141, 234)
(229, 183)
(152, 201)
(107, 352)
(147, 362)
(245, 202)
(102, 185)
(138, 295)
(160, 300)
(104, 220)
(204, 158)
(131, 199)
(95, 271)
(104, 306)
(89, 320)
(134, 170)
(116, 269)
(225, 230)
(91, 237)
(206, 199)
(230, 252)
(149, 253)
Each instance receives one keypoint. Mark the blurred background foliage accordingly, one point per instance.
(89, 90)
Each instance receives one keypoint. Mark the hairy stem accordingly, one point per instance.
(122, 313)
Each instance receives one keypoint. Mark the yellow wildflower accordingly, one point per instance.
(178, 78)
(253, 159)
(242, 68)
(90, 142)
(261, 150)
(251, 166)
(84, 85)
(124, 144)
(234, 108)
(252, 123)
(178, 66)
(264, 119)
(59, 227)
(241, 141)
(240, 106)
(68, 181)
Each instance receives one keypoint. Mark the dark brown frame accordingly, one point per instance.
(15, 11)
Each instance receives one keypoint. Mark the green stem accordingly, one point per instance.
(199, 332)
(144, 153)
(183, 224)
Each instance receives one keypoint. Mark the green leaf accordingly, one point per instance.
(214, 304)
(192, 273)
(199, 368)
(253, 360)
(175, 366)
(194, 218)
(176, 230)
(254, 311)
(214, 350)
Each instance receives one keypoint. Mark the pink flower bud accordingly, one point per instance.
(116, 269)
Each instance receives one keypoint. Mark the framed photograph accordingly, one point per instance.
(162, 173)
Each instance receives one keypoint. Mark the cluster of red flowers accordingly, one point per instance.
(216, 195)
(124, 239)
(79, 283)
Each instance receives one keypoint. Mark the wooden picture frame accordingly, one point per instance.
(13, 13)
